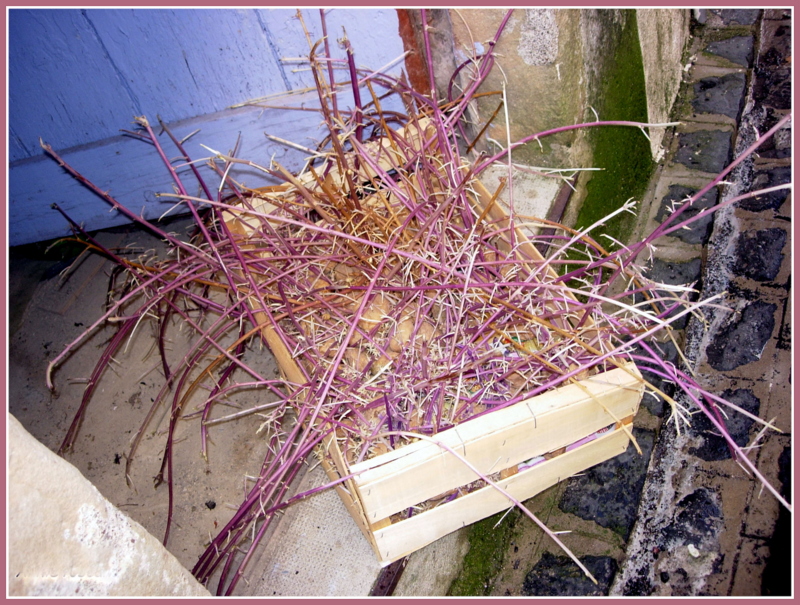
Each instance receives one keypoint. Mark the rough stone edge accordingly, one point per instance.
(92, 548)
(669, 478)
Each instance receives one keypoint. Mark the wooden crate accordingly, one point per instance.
(533, 445)
(504, 440)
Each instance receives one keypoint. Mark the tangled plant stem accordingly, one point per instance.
(405, 300)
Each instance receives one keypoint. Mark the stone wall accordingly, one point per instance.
(559, 67)
(704, 526)
(543, 75)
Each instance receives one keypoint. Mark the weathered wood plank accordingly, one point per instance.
(61, 84)
(182, 63)
(77, 76)
(373, 34)
(132, 172)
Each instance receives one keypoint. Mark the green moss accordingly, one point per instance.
(731, 31)
(620, 530)
(622, 152)
(487, 546)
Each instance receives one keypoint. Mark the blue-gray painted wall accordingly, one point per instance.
(76, 77)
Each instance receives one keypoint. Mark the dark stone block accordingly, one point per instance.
(723, 95)
(773, 87)
(731, 16)
(785, 473)
(714, 445)
(705, 150)
(667, 351)
(699, 231)
(674, 273)
(698, 522)
(777, 578)
(654, 403)
(742, 340)
(772, 60)
(776, 36)
(774, 199)
(759, 253)
(738, 50)
(558, 576)
(609, 492)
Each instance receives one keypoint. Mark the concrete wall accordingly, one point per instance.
(555, 66)
(539, 57)
(66, 539)
(554, 61)
(663, 34)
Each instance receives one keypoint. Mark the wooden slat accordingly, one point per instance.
(405, 537)
(498, 440)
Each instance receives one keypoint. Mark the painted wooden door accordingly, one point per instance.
(76, 77)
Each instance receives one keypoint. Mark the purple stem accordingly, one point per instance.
(330, 62)
(351, 63)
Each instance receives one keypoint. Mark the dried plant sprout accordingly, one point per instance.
(383, 269)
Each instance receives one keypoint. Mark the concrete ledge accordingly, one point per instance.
(66, 539)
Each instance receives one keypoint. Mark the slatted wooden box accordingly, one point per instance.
(533, 445)
(553, 423)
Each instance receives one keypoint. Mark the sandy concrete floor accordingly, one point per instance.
(316, 550)
(206, 492)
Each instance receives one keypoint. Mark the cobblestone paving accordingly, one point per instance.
(703, 528)
(691, 522)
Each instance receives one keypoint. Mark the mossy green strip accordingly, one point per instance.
(487, 547)
(622, 152)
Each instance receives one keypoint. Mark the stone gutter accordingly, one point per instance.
(703, 526)
(684, 519)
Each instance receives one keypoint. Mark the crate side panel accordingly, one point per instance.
(506, 427)
(494, 452)
(396, 461)
(405, 537)
(500, 420)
